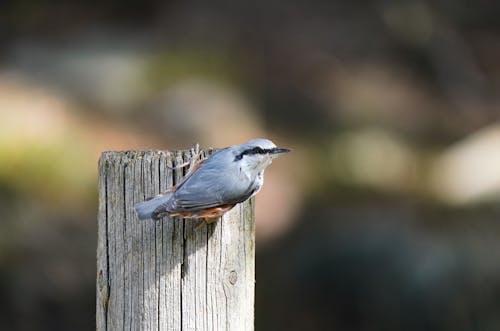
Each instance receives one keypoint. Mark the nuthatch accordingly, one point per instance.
(213, 186)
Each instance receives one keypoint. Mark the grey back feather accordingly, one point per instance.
(217, 181)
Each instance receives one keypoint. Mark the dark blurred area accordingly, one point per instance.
(385, 216)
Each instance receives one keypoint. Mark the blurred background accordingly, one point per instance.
(386, 215)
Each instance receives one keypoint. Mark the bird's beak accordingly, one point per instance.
(279, 150)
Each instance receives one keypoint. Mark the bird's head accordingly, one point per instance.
(255, 155)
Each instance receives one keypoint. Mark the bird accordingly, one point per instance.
(215, 185)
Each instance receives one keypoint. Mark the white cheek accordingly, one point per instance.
(259, 181)
(260, 178)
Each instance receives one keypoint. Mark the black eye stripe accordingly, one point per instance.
(252, 151)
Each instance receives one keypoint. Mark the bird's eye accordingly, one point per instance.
(257, 150)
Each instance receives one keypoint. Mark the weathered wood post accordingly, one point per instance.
(165, 275)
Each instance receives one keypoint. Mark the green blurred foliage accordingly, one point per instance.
(57, 174)
(167, 67)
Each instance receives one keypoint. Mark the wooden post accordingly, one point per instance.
(165, 275)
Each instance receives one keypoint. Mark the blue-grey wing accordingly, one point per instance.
(216, 182)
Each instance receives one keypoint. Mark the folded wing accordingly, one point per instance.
(217, 181)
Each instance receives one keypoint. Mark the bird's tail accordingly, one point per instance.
(151, 207)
